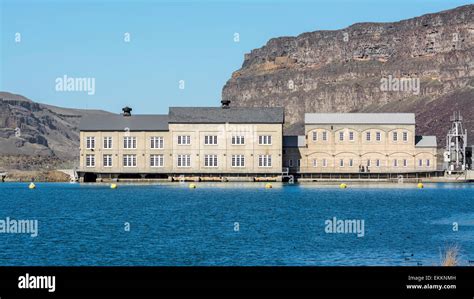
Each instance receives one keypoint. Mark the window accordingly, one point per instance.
(315, 163)
(210, 160)
(156, 142)
(107, 161)
(351, 162)
(129, 160)
(351, 136)
(238, 140)
(405, 136)
(405, 163)
(265, 140)
(238, 161)
(156, 160)
(420, 163)
(290, 163)
(184, 140)
(378, 136)
(377, 163)
(108, 142)
(184, 160)
(325, 136)
(298, 162)
(395, 163)
(367, 136)
(341, 163)
(129, 142)
(90, 142)
(90, 160)
(210, 140)
(428, 162)
(315, 136)
(264, 161)
(395, 136)
(368, 163)
(341, 136)
(325, 163)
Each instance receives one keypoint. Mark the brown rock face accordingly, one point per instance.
(347, 71)
(38, 136)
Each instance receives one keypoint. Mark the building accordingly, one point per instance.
(192, 143)
(234, 143)
(336, 143)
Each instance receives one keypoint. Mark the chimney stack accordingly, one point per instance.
(225, 104)
(127, 111)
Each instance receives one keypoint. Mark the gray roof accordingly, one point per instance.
(360, 118)
(118, 122)
(294, 141)
(425, 141)
(204, 115)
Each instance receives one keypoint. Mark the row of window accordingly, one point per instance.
(157, 142)
(351, 136)
(377, 163)
(182, 160)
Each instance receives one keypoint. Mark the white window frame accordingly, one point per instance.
(395, 162)
(238, 161)
(315, 162)
(210, 161)
(183, 161)
(90, 160)
(157, 160)
(184, 140)
(129, 160)
(325, 136)
(129, 142)
(368, 136)
(405, 136)
(238, 140)
(210, 140)
(351, 162)
(378, 136)
(325, 163)
(377, 162)
(395, 136)
(405, 163)
(428, 163)
(108, 142)
(90, 142)
(265, 161)
(265, 140)
(157, 142)
(315, 136)
(341, 136)
(341, 162)
(107, 160)
(351, 136)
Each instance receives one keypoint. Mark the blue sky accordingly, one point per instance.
(169, 41)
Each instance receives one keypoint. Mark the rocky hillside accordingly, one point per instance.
(37, 136)
(343, 71)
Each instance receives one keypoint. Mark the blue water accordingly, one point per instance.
(171, 224)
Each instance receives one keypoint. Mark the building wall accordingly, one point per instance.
(197, 149)
(324, 156)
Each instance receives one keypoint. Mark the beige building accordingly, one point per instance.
(201, 143)
(360, 143)
(195, 143)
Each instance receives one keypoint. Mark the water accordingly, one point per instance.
(171, 224)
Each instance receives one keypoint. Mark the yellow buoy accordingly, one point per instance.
(113, 186)
(192, 186)
(32, 185)
(268, 186)
(420, 185)
(343, 186)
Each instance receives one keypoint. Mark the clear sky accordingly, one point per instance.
(169, 41)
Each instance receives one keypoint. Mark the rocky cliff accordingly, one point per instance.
(345, 71)
(37, 136)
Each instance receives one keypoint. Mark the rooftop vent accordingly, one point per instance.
(225, 104)
(126, 111)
